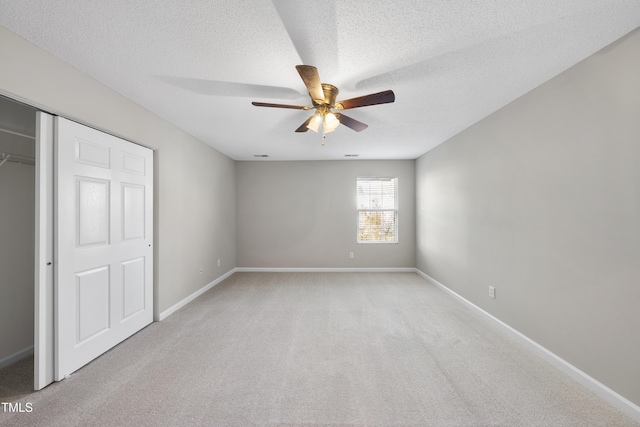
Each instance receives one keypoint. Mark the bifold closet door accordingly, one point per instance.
(104, 234)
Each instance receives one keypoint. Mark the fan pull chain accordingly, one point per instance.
(324, 138)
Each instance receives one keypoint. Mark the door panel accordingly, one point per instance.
(132, 287)
(92, 214)
(133, 211)
(92, 303)
(104, 228)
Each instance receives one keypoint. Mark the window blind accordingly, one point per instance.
(377, 199)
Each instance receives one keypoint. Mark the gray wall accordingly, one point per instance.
(303, 214)
(542, 201)
(194, 184)
(17, 207)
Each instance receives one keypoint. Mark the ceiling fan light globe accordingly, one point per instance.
(315, 122)
(330, 123)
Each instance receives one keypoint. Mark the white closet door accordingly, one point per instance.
(43, 322)
(104, 215)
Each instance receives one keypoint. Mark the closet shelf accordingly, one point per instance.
(17, 133)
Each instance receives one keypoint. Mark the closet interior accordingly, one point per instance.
(17, 246)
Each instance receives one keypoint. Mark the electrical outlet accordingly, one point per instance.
(351, 256)
(218, 262)
(492, 292)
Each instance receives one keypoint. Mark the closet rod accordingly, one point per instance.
(16, 158)
(17, 133)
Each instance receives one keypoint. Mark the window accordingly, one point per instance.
(377, 209)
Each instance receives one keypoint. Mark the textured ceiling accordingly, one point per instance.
(199, 64)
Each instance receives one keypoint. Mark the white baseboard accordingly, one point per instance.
(13, 358)
(324, 270)
(591, 383)
(168, 312)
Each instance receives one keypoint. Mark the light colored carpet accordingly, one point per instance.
(320, 349)
(16, 380)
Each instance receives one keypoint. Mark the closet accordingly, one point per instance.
(17, 229)
(103, 196)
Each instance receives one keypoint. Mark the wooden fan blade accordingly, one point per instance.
(311, 79)
(385, 97)
(267, 104)
(303, 127)
(351, 123)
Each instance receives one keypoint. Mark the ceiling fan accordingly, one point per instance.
(323, 98)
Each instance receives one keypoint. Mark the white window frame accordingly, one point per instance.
(361, 209)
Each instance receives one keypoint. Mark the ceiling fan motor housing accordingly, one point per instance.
(330, 94)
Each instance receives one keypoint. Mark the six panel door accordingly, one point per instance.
(104, 233)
